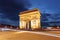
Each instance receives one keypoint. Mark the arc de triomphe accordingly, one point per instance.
(30, 20)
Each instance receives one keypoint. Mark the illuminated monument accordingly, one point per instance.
(30, 20)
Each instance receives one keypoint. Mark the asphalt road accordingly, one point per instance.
(25, 36)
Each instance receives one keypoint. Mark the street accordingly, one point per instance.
(26, 35)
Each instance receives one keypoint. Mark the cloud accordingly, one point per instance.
(8, 21)
(12, 8)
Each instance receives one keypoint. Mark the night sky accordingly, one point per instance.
(9, 9)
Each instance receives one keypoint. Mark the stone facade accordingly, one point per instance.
(30, 20)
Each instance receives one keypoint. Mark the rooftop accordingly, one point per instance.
(28, 11)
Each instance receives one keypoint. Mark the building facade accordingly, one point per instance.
(30, 20)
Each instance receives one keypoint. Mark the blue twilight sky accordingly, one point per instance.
(9, 9)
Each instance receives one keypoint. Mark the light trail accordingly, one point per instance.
(41, 33)
(47, 34)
